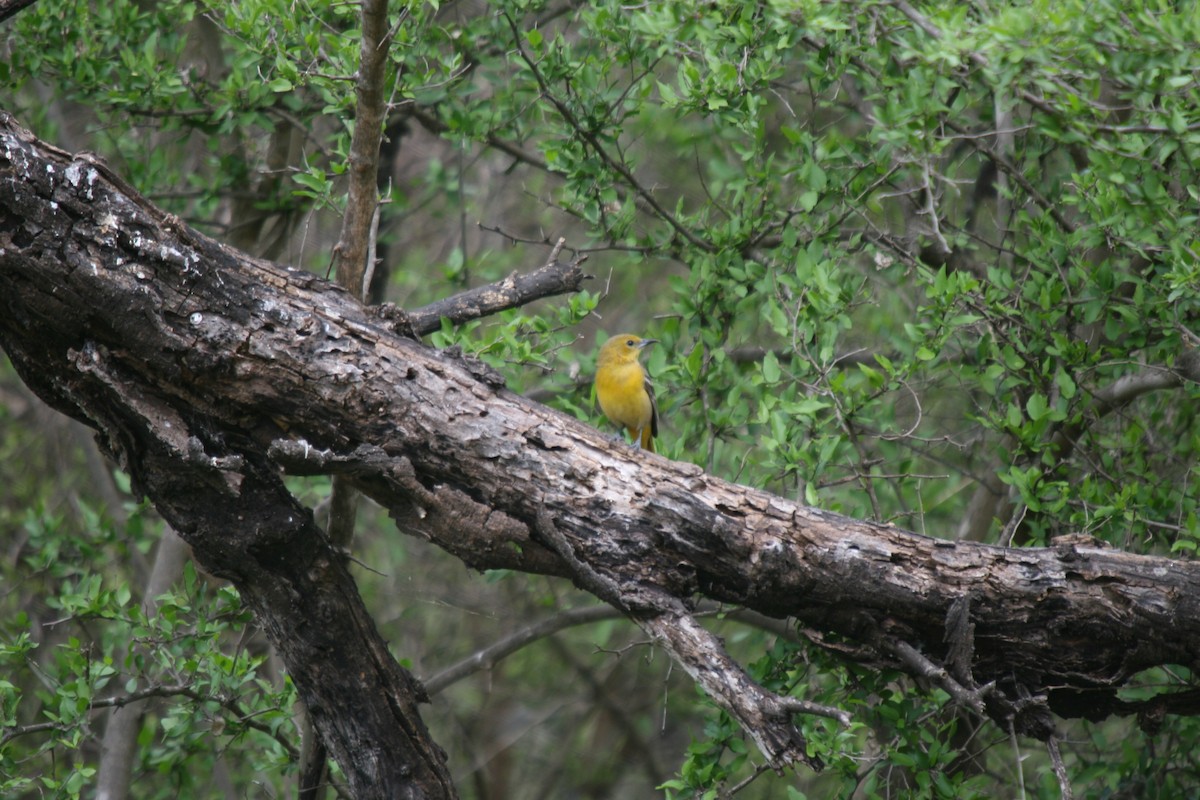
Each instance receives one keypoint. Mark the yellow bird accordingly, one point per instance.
(624, 390)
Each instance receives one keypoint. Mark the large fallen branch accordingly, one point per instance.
(205, 372)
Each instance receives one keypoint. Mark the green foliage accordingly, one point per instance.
(89, 642)
(903, 260)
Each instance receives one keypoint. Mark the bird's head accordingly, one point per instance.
(623, 348)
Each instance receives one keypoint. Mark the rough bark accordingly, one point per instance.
(205, 372)
(10, 7)
(89, 352)
(554, 277)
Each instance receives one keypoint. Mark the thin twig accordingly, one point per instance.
(617, 166)
(491, 655)
(1060, 769)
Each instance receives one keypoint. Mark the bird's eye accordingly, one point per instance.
(629, 342)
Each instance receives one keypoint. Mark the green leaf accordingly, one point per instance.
(667, 92)
(770, 368)
(1066, 384)
(1037, 406)
(694, 362)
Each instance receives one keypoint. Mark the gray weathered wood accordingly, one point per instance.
(205, 372)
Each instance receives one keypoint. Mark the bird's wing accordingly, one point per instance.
(653, 408)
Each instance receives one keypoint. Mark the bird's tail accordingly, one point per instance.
(647, 439)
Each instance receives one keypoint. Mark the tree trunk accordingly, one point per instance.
(209, 480)
(205, 372)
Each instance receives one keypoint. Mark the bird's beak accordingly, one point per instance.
(646, 342)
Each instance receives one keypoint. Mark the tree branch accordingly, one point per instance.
(355, 255)
(552, 278)
(204, 371)
(216, 489)
(764, 715)
(493, 654)
(429, 120)
(1121, 392)
(370, 110)
(230, 704)
(616, 165)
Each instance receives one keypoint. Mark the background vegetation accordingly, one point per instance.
(921, 263)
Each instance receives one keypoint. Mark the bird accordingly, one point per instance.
(623, 388)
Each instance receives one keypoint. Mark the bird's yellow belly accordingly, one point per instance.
(623, 398)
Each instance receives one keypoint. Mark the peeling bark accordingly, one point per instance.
(89, 351)
(206, 372)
